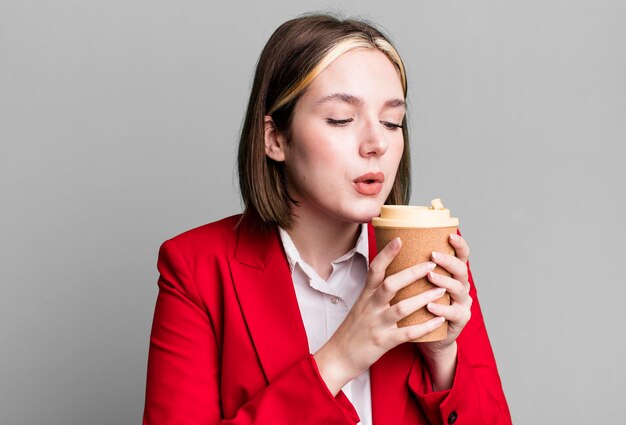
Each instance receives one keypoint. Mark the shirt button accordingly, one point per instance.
(334, 300)
(452, 418)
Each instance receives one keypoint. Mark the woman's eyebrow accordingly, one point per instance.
(357, 101)
(395, 103)
(343, 97)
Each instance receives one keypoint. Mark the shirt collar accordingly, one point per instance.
(293, 256)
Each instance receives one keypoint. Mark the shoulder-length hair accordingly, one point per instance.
(298, 51)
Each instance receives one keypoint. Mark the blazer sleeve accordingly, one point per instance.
(184, 367)
(476, 396)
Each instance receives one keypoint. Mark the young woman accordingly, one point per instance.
(281, 315)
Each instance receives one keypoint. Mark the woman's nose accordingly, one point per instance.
(373, 139)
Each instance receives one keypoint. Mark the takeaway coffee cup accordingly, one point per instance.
(422, 230)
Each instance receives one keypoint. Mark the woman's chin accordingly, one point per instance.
(366, 214)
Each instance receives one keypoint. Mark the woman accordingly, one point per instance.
(281, 315)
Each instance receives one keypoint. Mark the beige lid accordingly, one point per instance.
(415, 216)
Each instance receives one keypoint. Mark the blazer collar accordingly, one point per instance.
(255, 244)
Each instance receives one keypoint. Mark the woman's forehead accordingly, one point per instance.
(358, 76)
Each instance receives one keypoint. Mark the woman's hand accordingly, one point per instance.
(441, 355)
(370, 329)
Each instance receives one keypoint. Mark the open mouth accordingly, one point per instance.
(370, 183)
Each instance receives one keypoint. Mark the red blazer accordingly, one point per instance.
(228, 346)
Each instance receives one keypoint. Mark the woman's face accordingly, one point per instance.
(346, 138)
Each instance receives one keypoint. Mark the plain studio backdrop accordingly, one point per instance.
(119, 123)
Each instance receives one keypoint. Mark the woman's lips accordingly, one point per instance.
(365, 188)
(370, 183)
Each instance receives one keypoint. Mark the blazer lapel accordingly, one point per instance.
(265, 291)
(389, 375)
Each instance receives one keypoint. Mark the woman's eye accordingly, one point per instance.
(338, 123)
(391, 126)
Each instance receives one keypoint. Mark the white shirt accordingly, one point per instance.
(324, 304)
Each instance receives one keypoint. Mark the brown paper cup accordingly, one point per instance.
(417, 247)
(418, 243)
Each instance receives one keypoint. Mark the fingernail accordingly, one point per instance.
(395, 243)
(431, 265)
(439, 292)
(431, 276)
(436, 256)
(440, 320)
(454, 237)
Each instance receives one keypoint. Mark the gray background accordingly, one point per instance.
(119, 122)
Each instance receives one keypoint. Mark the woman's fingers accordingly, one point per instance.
(381, 291)
(458, 291)
(392, 284)
(411, 333)
(407, 306)
(454, 266)
(460, 247)
(455, 313)
(379, 264)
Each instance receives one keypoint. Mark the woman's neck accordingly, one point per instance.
(320, 241)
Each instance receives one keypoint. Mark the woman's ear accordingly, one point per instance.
(274, 141)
